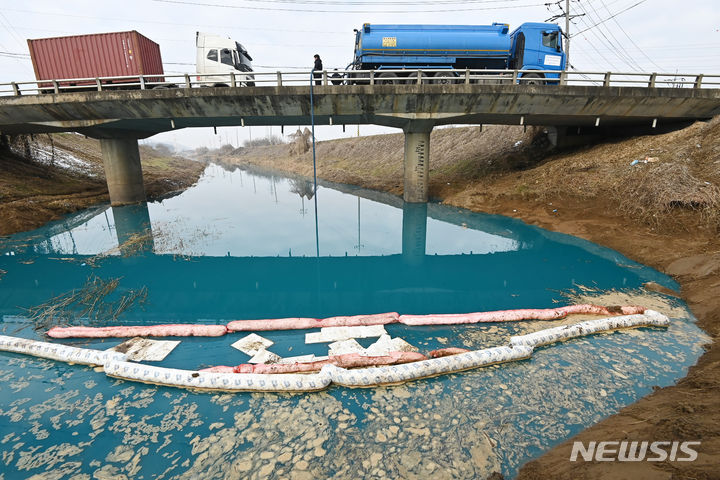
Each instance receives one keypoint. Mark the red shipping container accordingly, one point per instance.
(114, 54)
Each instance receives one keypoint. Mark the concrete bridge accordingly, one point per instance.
(120, 117)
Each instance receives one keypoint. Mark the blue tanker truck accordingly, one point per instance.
(532, 46)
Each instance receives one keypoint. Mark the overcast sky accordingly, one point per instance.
(613, 35)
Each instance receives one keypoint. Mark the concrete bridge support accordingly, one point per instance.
(416, 162)
(123, 172)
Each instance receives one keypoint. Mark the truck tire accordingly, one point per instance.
(444, 78)
(358, 78)
(387, 78)
(412, 78)
(532, 79)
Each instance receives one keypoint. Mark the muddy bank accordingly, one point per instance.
(654, 199)
(53, 175)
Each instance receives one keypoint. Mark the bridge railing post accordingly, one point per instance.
(56, 86)
(698, 81)
(232, 80)
(279, 79)
(372, 77)
(651, 82)
(563, 78)
(324, 77)
(142, 82)
(187, 81)
(515, 77)
(606, 81)
(16, 90)
(98, 84)
(419, 77)
(467, 76)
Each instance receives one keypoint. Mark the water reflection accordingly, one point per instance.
(241, 245)
(133, 229)
(216, 252)
(414, 232)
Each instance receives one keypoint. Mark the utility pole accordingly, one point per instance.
(567, 34)
(568, 17)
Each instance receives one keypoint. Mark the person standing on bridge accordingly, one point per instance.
(317, 68)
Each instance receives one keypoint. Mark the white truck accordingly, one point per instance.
(218, 57)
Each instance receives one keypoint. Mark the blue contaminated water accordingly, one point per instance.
(246, 245)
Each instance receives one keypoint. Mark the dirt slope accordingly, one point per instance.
(43, 180)
(662, 211)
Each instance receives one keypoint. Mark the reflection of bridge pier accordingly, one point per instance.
(133, 228)
(414, 233)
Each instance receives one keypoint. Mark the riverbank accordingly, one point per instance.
(654, 198)
(53, 175)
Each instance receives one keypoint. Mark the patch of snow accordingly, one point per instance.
(60, 158)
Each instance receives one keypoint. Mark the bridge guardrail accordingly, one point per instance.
(364, 77)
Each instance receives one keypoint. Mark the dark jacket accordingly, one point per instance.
(318, 64)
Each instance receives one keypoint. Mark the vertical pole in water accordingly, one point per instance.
(312, 132)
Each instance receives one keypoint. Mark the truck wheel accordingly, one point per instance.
(412, 79)
(387, 78)
(358, 78)
(532, 79)
(444, 78)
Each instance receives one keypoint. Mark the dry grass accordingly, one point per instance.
(655, 192)
(34, 192)
(680, 189)
(88, 302)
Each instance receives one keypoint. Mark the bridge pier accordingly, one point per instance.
(123, 172)
(416, 162)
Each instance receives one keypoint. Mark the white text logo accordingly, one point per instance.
(634, 451)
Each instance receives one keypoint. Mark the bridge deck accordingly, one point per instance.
(142, 113)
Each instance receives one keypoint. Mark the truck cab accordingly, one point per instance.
(218, 57)
(538, 46)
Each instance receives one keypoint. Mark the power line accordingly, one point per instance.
(630, 38)
(155, 22)
(380, 2)
(15, 55)
(609, 18)
(305, 10)
(600, 31)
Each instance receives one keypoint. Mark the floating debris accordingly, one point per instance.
(141, 349)
(385, 345)
(345, 346)
(89, 301)
(334, 334)
(264, 357)
(252, 344)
